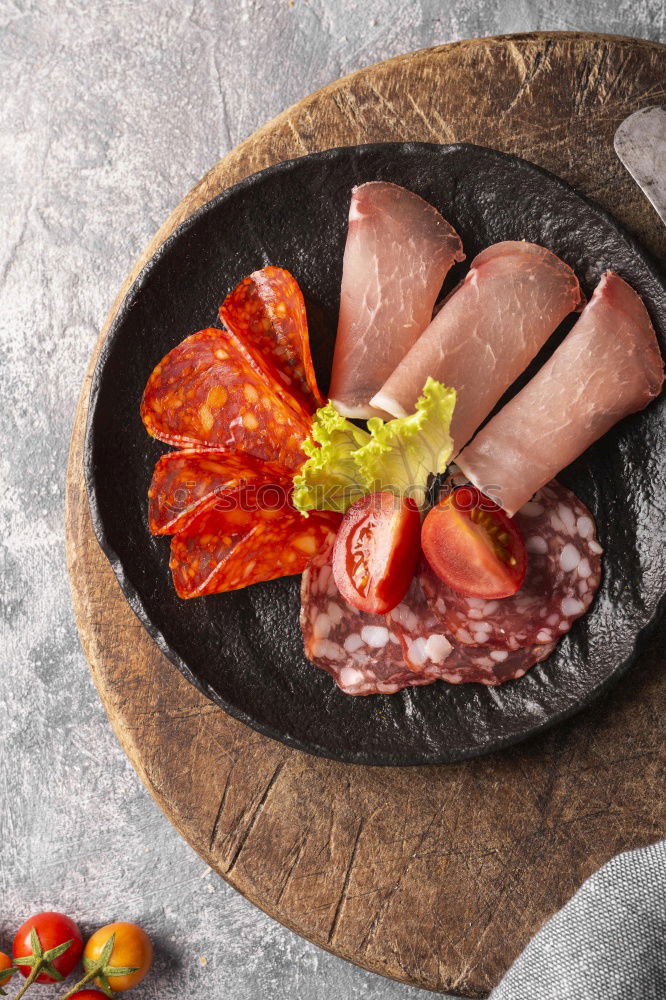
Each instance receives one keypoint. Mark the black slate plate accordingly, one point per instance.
(244, 649)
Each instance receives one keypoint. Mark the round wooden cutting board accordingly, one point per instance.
(435, 876)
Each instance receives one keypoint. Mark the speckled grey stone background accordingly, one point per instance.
(110, 110)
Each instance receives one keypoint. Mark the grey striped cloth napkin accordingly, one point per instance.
(607, 943)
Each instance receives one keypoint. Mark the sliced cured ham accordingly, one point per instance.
(563, 575)
(607, 367)
(486, 333)
(398, 252)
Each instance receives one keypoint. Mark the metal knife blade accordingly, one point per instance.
(640, 143)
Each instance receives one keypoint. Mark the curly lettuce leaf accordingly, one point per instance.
(402, 453)
(330, 479)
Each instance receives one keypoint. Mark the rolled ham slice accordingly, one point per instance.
(607, 367)
(398, 252)
(486, 333)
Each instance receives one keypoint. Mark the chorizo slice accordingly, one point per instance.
(212, 556)
(267, 312)
(208, 393)
(187, 482)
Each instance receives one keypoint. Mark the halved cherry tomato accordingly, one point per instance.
(376, 551)
(473, 546)
(53, 930)
(132, 949)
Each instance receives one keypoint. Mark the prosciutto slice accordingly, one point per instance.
(487, 332)
(398, 251)
(607, 367)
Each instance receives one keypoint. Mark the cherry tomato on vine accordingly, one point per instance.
(53, 931)
(87, 995)
(6, 969)
(132, 948)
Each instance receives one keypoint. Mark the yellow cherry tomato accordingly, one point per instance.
(132, 948)
(5, 964)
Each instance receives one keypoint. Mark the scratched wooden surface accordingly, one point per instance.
(434, 876)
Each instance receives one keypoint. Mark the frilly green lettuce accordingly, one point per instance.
(402, 453)
(397, 456)
(330, 479)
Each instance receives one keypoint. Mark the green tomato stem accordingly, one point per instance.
(34, 972)
(5, 977)
(81, 983)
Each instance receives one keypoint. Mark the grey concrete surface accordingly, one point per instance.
(110, 110)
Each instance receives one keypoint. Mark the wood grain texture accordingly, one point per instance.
(434, 876)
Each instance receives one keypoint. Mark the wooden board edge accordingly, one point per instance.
(75, 519)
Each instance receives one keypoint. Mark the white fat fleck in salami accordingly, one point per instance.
(361, 652)
(563, 575)
(428, 649)
(425, 644)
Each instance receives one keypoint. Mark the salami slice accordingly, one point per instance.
(428, 649)
(267, 312)
(208, 393)
(212, 557)
(187, 482)
(360, 651)
(563, 575)
(425, 644)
